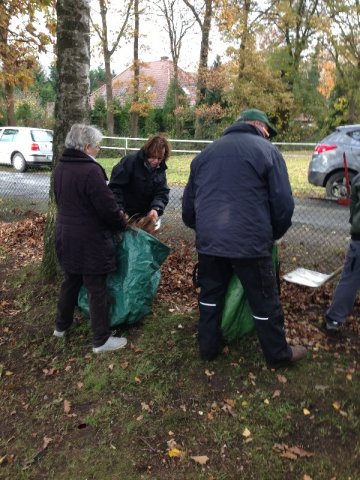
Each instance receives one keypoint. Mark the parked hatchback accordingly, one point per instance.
(326, 168)
(25, 146)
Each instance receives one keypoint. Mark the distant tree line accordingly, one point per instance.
(297, 60)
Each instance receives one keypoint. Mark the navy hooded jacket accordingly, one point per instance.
(238, 197)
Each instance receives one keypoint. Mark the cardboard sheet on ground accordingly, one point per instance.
(310, 278)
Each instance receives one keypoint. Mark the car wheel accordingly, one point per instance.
(18, 162)
(336, 185)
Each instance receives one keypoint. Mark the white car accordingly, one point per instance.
(25, 146)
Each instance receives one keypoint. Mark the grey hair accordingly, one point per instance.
(81, 135)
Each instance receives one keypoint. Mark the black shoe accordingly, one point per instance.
(333, 326)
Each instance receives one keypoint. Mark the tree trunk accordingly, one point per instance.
(10, 103)
(134, 114)
(72, 97)
(203, 64)
(176, 96)
(109, 95)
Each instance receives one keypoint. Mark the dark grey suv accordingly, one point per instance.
(326, 168)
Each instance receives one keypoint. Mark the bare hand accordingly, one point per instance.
(153, 214)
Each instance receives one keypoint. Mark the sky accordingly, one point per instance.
(154, 44)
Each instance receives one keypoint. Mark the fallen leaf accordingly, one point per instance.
(266, 401)
(282, 378)
(175, 453)
(321, 387)
(306, 411)
(2, 459)
(307, 477)
(291, 453)
(145, 406)
(276, 393)
(47, 440)
(124, 365)
(202, 459)
(171, 443)
(336, 405)
(349, 377)
(246, 433)
(111, 367)
(137, 380)
(230, 402)
(209, 373)
(67, 406)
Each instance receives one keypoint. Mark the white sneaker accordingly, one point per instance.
(59, 334)
(112, 343)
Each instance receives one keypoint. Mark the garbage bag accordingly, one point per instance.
(132, 287)
(237, 319)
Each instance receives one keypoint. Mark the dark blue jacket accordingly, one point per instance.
(137, 187)
(238, 196)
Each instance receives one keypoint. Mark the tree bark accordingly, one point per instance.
(72, 98)
(134, 114)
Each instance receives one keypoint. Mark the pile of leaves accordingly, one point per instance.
(304, 308)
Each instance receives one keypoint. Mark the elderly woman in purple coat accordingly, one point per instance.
(87, 219)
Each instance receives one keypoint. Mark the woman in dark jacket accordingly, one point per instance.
(138, 181)
(87, 218)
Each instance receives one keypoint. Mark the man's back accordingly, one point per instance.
(237, 186)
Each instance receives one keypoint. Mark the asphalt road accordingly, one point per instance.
(319, 213)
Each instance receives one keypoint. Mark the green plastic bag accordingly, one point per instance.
(134, 284)
(237, 319)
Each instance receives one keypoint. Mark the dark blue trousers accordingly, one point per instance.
(258, 279)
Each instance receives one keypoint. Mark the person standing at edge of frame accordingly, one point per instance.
(349, 283)
(238, 199)
(87, 219)
(139, 182)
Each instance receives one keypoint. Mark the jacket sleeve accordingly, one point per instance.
(103, 200)
(280, 196)
(188, 206)
(161, 197)
(120, 176)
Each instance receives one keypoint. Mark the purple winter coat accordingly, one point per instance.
(87, 215)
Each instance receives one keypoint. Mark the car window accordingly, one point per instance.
(9, 135)
(334, 137)
(354, 137)
(41, 136)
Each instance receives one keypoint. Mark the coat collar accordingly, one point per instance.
(78, 156)
(243, 127)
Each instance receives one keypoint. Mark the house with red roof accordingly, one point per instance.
(155, 78)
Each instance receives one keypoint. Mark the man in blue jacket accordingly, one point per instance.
(238, 199)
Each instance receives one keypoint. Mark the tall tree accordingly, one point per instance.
(177, 24)
(20, 43)
(343, 42)
(107, 51)
(296, 22)
(203, 18)
(72, 97)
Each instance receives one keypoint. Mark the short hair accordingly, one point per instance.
(155, 146)
(81, 135)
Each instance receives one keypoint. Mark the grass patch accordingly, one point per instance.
(67, 413)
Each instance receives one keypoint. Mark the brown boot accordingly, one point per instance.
(298, 352)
